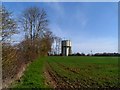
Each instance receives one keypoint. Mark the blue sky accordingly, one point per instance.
(89, 25)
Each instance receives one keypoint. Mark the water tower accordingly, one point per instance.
(66, 47)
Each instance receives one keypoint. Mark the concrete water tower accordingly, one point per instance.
(66, 47)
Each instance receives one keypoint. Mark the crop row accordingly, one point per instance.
(69, 77)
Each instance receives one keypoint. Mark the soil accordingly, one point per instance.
(17, 77)
(54, 80)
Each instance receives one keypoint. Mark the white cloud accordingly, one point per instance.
(79, 42)
(57, 30)
(81, 17)
(57, 8)
(96, 45)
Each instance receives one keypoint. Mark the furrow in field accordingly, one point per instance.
(51, 77)
(60, 81)
(75, 82)
(66, 79)
(74, 70)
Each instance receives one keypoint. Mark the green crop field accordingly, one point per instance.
(70, 72)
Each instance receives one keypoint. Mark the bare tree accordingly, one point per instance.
(11, 61)
(34, 20)
(46, 41)
(8, 25)
(56, 45)
(35, 24)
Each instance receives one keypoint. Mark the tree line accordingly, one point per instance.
(37, 41)
(96, 54)
(83, 54)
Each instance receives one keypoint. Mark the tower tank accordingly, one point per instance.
(66, 47)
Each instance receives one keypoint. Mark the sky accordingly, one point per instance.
(91, 26)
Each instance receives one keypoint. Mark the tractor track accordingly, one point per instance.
(74, 70)
(57, 81)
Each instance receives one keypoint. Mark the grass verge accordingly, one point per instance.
(33, 76)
